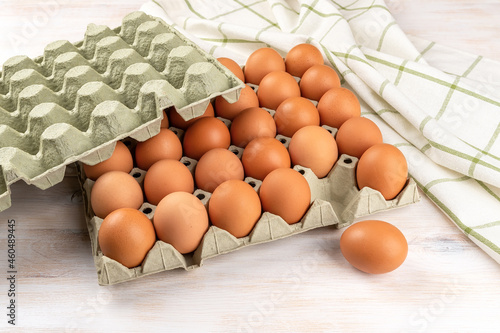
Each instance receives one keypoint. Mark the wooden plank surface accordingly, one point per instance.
(298, 284)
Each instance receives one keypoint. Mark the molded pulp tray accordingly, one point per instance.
(74, 102)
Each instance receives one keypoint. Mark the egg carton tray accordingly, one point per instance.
(77, 99)
(335, 201)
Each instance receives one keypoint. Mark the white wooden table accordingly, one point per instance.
(299, 284)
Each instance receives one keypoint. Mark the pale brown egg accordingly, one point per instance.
(165, 177)
(164, 145)
(286, 193)
(374, 247)
(205, 134)
(227, 110)
(337, 105)
(313, 147)
(263, 155)
(301, 57)
(233, 67)
(120, 160)
(293, 114)
(275, 87)
(317, 80)
(262, 62)
(164, 121)
(356, 135)
(250, 124)
(113, 190)
(126, 235)
(181, 220)
(177, 121)
(382, 167)
(215, 167)
(235, 207)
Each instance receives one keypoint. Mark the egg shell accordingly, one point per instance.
(164, 145)
(373, 246)
(262, 62)
(233, 67)
(286, 193)
(248, 98)
(317, 80)
(177, 121)
(181, 220)
(337, 105)
(217, 166)
(164, 120)
(250, 124)
(263, 155)
(301, 57)
(205, 134)
(293, 114)
(382, 167)
(126, 235)
(275, 87)
(120, 160)
(235, 207)
(356, 135)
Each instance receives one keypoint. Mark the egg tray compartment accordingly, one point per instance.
(335, 201)
(56, 109)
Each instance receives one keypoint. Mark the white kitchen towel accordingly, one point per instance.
(439, 106)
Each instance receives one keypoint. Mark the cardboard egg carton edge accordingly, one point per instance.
(335, 201)
(61, 143)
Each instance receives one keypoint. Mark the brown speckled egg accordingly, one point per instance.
(233, 67)
(356, 135)
(126, 235)
(164, 145)
(250, 124)
(227, 110)
(275, 87)
(317, 80)
(177, 121)
(301, 57)
(263, 155)
(205, 134)
(215, 167)
(165, 177)
(295, 113)
(262, 62)
(181, 220)
(337, 105)
(120, 160)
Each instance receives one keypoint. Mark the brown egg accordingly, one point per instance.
(337, 105)
(126, 235)
(235, 207)
(177, 121)
(252, 123)
(275, 87)
(120, 160)
(356, 135)
(113, 190)
(205, 134)
(164, 121)
(382, 167)
(164, 145)
(314, 147)
(181, 220)
(374, 247)
(227, 110)
(317, 80)
(262, 62)
(286, 193)
(263, 155)
(233, 67)
(165, 177)
(215, 167)
(295, 113)
(301, 57)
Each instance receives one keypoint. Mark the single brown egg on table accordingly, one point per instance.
(301, 57)
(382, 167)
(233, 67)
(263, 155)
(205, 134)
(286, 193)
(165, 177)
(164, 145)
(113, 190)
(315, 148)
(374, 247)
(275, 87)
(317, 80)
(356, 135)
(181, 220)
(126, 235)
(215, 167)
(235, 207)
(120, 160)
(337, 105)
(248, 98)
(262, 62)
(252, 123)
(177, 121)
(293, 114)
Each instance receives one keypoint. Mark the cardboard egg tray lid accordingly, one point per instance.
(335, 201)
(74, 102)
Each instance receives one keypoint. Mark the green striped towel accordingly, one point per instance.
(439, 106)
